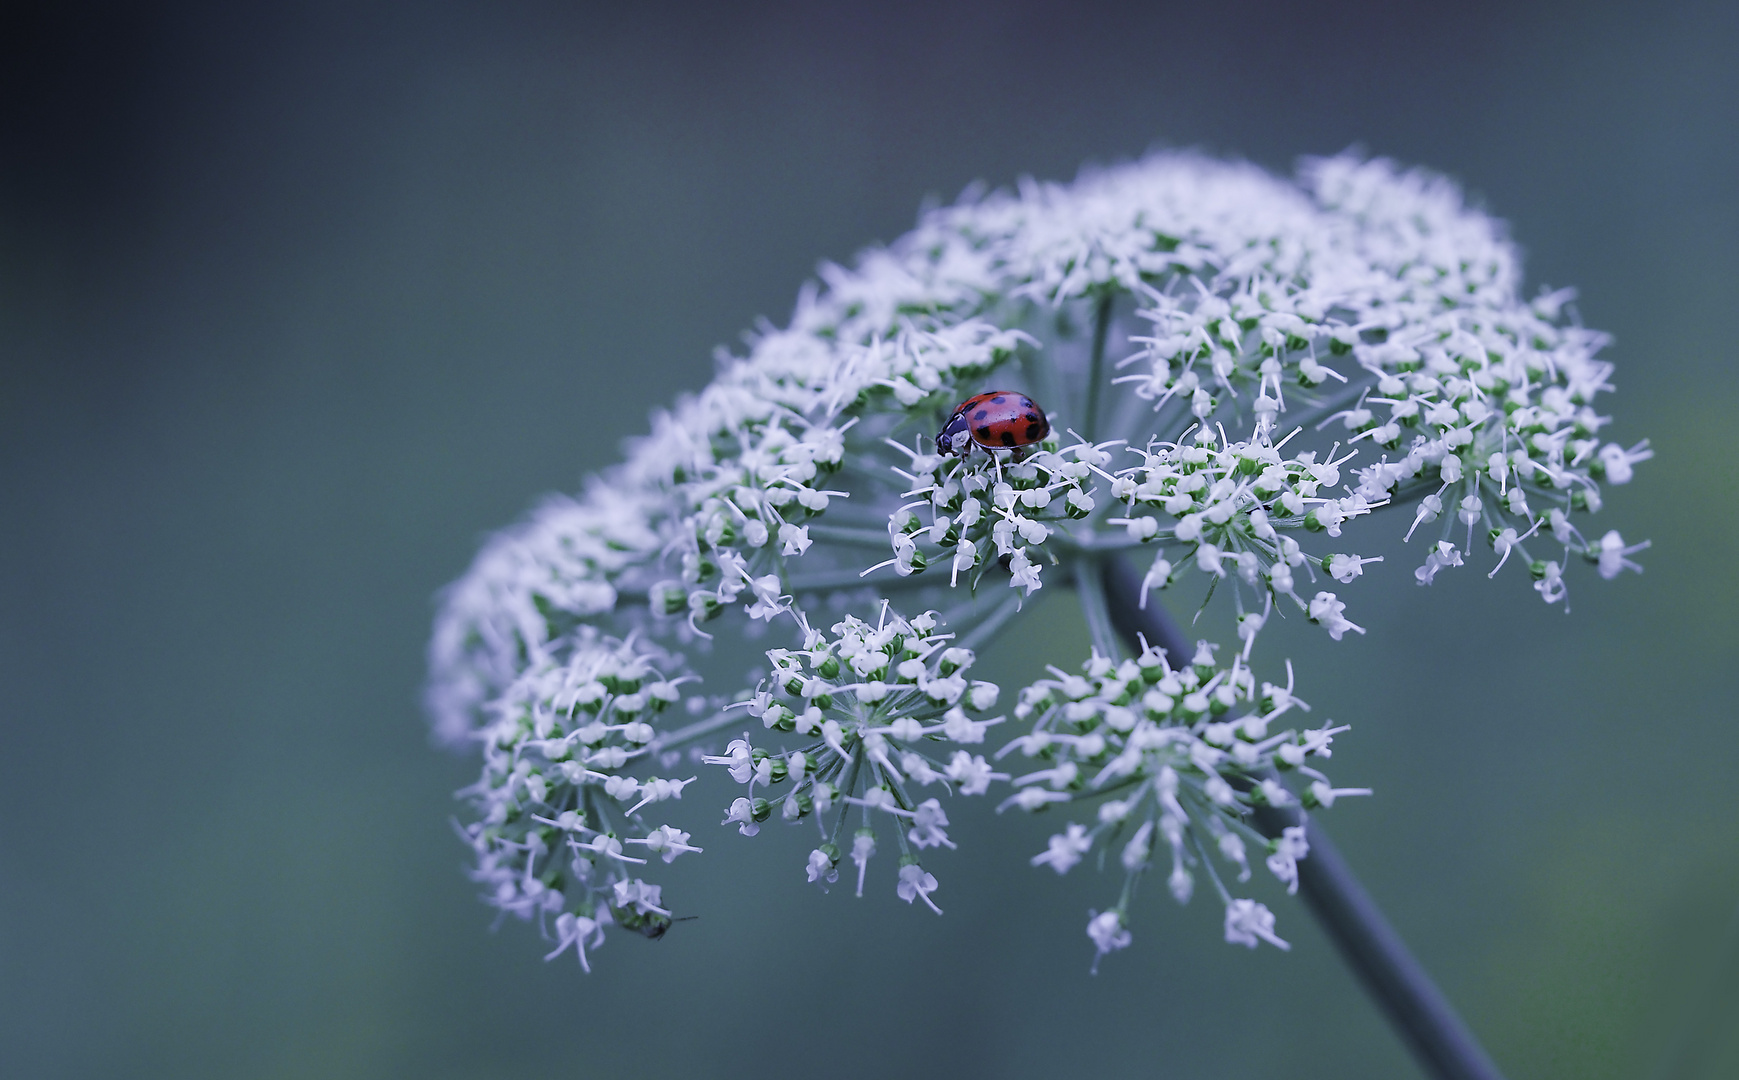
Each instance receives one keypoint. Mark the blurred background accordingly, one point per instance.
(297, 305)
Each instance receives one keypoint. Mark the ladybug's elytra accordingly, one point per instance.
(997, 419)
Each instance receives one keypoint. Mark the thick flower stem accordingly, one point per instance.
(1441, 1043)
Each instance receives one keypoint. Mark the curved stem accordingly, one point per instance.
(1419, 1012)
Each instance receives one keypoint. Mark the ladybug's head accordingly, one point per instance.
(955, 436)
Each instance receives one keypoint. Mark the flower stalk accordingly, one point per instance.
(1096, 366)
(1368, 944)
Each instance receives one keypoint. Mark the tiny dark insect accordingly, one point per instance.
(995, 420)
(653, 927)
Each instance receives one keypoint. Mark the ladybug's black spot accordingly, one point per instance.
(1035, 432)
(1008, 438)
(980, 414)
(1032, 418)
(984, 432)
(999, 399)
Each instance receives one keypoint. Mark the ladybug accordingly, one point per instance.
(997, 419)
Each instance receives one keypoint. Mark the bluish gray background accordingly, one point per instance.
(296, 305)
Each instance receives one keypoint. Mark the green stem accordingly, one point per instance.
(992, 623)
(845, 790)
(1090, 587)
(851, 579)
(1096, 369)
(879, 476)
(1419, 1012)
(1115, 540)
(700, 729)
(1047, 381)
(1208, 866)
(845, 534)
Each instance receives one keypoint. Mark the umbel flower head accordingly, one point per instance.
(1241, 374)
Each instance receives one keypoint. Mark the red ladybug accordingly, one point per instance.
(997, 419)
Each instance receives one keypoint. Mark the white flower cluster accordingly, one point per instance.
(989, 507)
(1247, 368)
(1397, 320)
(874, 709)
(526, 592)
(560, 827)
(1179, 757)
(1234, 505)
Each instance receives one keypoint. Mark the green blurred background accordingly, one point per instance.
(296, 305)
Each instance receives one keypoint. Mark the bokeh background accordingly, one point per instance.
(297, 304)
